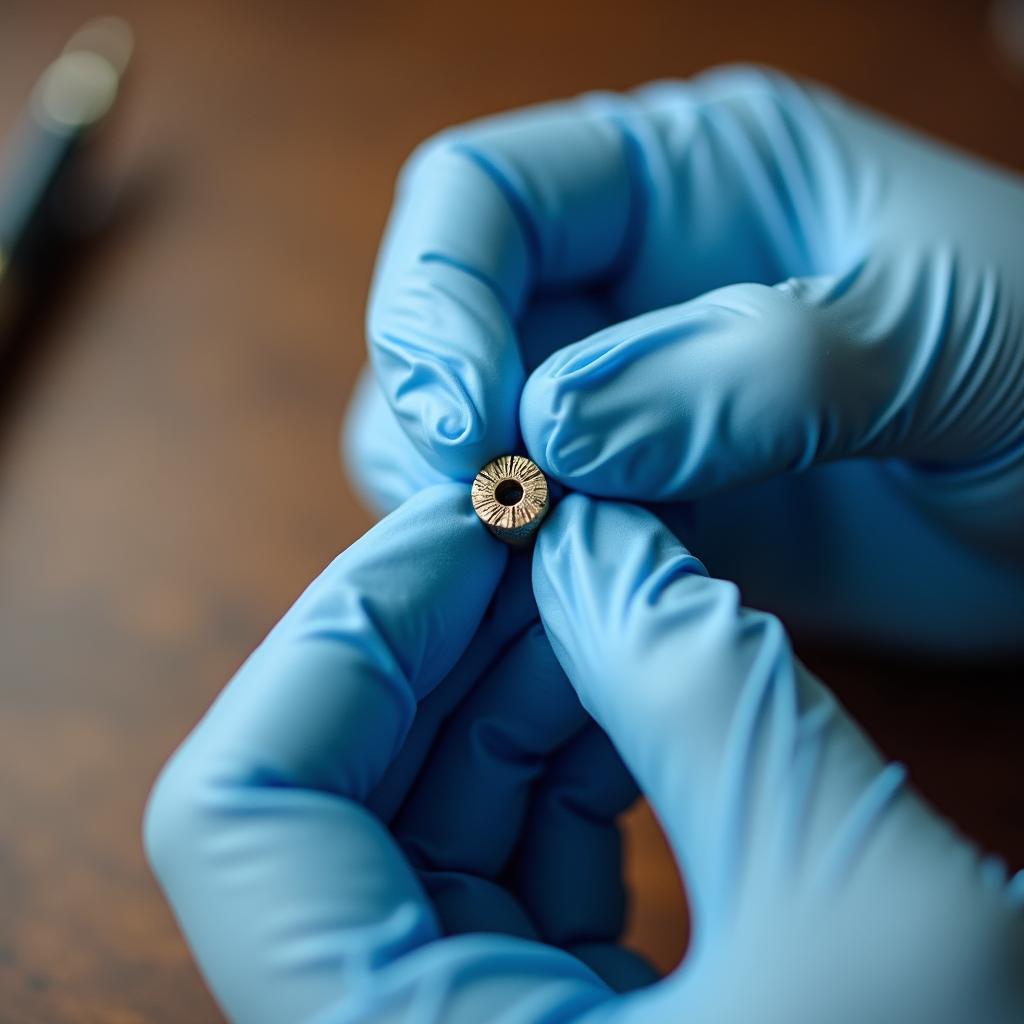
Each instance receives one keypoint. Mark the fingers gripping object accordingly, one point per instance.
(510, 495)
(601, 278)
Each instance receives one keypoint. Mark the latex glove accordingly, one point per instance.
(822, 889)
(744, 295)
(400, 763)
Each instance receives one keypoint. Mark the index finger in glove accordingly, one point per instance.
(814, 872)
(483, 215)
(286, 887)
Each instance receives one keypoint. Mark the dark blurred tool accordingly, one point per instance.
(45, 207)
(1006, 18)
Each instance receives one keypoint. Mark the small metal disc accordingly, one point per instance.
(510, 495)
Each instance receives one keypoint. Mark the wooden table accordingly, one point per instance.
(169, 473)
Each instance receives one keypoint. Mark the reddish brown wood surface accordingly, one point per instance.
(169, 475)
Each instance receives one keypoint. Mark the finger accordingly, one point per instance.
(285, 886)
(792, 833)
(652, 198)
(701, 697)
(385, 466)
(568, 868)
(483, 216)
(738, 385)
(510, 613)
(506, 777)
(467, 809)
(508, 740)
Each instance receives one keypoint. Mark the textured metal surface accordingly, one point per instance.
(510, 495)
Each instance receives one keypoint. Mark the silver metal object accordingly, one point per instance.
(510, 495)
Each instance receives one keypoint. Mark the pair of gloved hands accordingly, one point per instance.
(399, 809)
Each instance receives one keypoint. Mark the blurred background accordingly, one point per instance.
(169, 469)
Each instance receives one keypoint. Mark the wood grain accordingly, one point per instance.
(169, 475)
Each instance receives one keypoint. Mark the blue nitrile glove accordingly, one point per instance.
(799, 324)
(317, 880)
(822, 889)
(402, 759)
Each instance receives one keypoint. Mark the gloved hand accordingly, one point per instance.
(402, 759)
(798, 325)
(396, 812)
